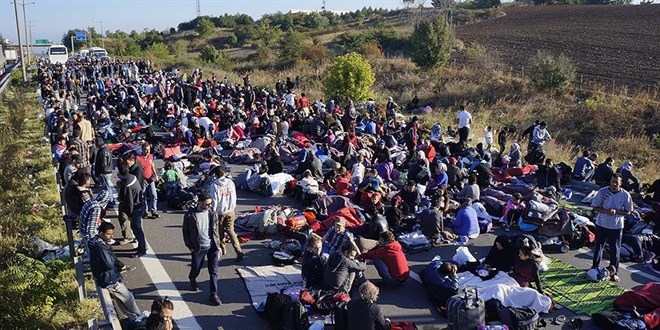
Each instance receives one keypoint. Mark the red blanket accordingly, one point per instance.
(645, 299)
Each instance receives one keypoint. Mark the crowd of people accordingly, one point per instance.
(385, 176)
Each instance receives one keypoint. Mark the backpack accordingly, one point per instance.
(181, 200)
(520, 318)
(340, 315)
(276, 305)
(581, 237)
(295, 317)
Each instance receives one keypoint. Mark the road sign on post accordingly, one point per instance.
(42, 42)
(81, 36)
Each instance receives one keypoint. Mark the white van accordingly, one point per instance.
(98, 52)
(58, 54)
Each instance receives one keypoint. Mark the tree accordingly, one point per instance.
(547, 72)
(3, 43)
(316, 54)
(291, 47)
(431, 43)
(350, 76)
(158, 50)
(179, 48)
(204, 27)
(264, 34)
(209, 54)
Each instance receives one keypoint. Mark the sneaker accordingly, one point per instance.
(138, 255)
(215, 300)
(127, 241)
(193, 285)
(155, 215)
(142, 317)
(240, 256)
(127, 268)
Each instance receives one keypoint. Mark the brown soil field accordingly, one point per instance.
(617, 45)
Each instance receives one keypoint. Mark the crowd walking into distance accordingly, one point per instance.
(369, 184)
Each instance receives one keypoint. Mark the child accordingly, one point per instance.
(357, 172)
(526, 269)
(513, 210)
(488, 137)
(171, 179)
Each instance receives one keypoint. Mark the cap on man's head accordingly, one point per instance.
(341, 221)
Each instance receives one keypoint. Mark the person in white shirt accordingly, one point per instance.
(611, 204)
(463, 120)
(223, 202)
(357, 172)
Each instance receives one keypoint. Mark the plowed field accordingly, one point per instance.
(619, 44)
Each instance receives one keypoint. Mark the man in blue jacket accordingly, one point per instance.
(103, 263)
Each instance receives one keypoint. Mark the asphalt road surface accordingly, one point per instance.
(164, 271)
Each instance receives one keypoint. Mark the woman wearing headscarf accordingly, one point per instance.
(628, 179)
(501, 256)
(419, 170)
(515, 155)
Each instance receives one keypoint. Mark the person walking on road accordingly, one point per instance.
(146, 160)
(611, 204)
(132, 207)
(201, 234)
(103, 263)
(223, 195)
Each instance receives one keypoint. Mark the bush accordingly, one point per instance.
(349, 76)
(431, 43)
(548, 73)
(209, 54)
(204, 27)
(158, 51)
(291, 47)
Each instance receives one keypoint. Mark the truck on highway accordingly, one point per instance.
(11, 56)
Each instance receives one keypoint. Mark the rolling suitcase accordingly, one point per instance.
(466, 311)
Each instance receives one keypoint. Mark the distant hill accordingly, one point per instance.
(619, 44)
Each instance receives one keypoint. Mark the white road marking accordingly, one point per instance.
(183, 316)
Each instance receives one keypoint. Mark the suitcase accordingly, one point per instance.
(466, 310)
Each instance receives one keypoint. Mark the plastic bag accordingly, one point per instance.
(463, 256)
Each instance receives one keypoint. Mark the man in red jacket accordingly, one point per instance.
(389, 260)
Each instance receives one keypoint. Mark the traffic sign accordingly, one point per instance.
(81, 36)
(42, 42)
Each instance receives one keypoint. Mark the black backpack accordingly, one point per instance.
(340, 314)
(182, 200)
(295, 317)
(523, 318)
(276, 305)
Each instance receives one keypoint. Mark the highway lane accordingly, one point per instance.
(401, 303)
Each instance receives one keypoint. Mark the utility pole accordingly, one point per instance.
(199, 9)
(102, 34)
(25, 23)
(73, 46)
(31, 44)
(20, 42)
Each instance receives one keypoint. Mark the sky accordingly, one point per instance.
(51, 19)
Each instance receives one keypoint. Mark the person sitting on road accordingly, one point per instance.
(161, 314)
(410, 197)
(389, 260)
(466, 224)
(337, 236)
(604, 172)
(526, 268)
(471, 190)
(501, 256)
(584, 168)
(630, 181)
(364, 313)
(342, 269)
(313, 262)
(431, 220)
(439, 279)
